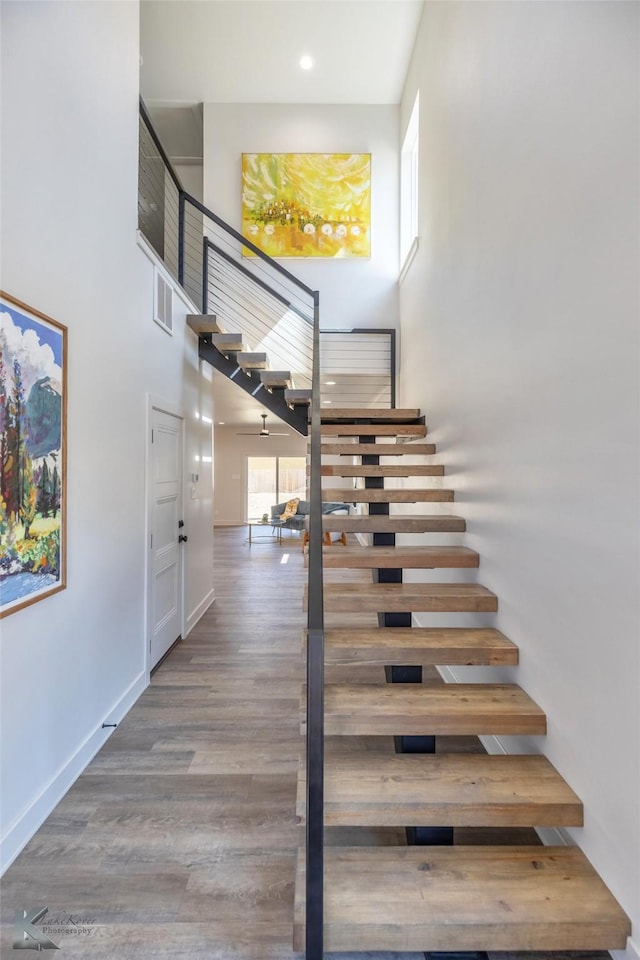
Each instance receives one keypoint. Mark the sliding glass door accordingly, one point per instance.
(272, 480)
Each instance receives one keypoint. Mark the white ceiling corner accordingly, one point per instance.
(248, 51)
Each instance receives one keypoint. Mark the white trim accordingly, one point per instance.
(151, 255)
(24, 827)
(199, 612)
(162, 310)
(550, 836)
(408, 260)
(162, 406)
(409, 180)
(631, 953)
(447, 673)
(555, 837)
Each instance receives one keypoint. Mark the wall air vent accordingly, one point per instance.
(162, 301)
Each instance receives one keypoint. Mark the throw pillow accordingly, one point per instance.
(291, 508)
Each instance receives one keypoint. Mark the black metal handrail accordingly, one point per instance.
(245, 242)
(315, 675)
(144, 113)
(168, 231)
(179, 201)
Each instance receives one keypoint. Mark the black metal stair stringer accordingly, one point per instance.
(416, 835)
(227, 365)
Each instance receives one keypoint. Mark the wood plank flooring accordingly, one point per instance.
(180, 839)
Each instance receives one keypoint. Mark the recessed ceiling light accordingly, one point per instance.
(329, 383)
(326, 401)
(306, 62)
(221, 423)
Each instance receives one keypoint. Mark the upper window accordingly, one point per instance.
(409, 183)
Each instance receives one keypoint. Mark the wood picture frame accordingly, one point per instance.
(33, 455)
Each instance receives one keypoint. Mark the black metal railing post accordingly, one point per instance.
(181, 202)
(315, 676)
(189, 271)
(392, 365)
(205, 274)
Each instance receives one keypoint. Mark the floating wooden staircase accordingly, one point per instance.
(228, 353)
(381, 765)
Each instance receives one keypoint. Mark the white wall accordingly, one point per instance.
(353, 293)
(190, 176)
(69, 219)
(519, 329)
(178, 380)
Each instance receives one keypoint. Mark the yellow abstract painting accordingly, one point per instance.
(307, 204)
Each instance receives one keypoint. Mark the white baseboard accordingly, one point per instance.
(550, 836)
(23, 828)
(199, 612)
(631, 953)
(448, 674)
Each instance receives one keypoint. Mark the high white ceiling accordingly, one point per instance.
(248, 51)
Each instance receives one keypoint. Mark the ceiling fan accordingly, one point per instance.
(264, 432)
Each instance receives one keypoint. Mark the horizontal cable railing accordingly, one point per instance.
(358, 367)
(158, 195)
(247, 291)
(224, 273)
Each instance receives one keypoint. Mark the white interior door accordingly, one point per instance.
(165, 593)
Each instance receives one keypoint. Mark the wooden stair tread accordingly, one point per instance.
(395, 789)
(413, 646)
(373, 430)
(349, 470)
(298, 396)
(228, 342)
(407, 598)
(463, 898)
(367, 523)
(378, 449)
(203, 323)
(252, 361)
(435, 495)
(405, 709)
(276, 378)
(379, 414)
(377, 558)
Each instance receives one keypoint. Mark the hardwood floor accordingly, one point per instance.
(180, 839)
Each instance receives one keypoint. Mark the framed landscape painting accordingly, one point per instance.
(33, 406)
(307, 204)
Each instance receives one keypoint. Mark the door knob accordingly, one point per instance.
(182, 538)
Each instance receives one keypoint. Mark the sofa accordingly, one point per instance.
(298, 521)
